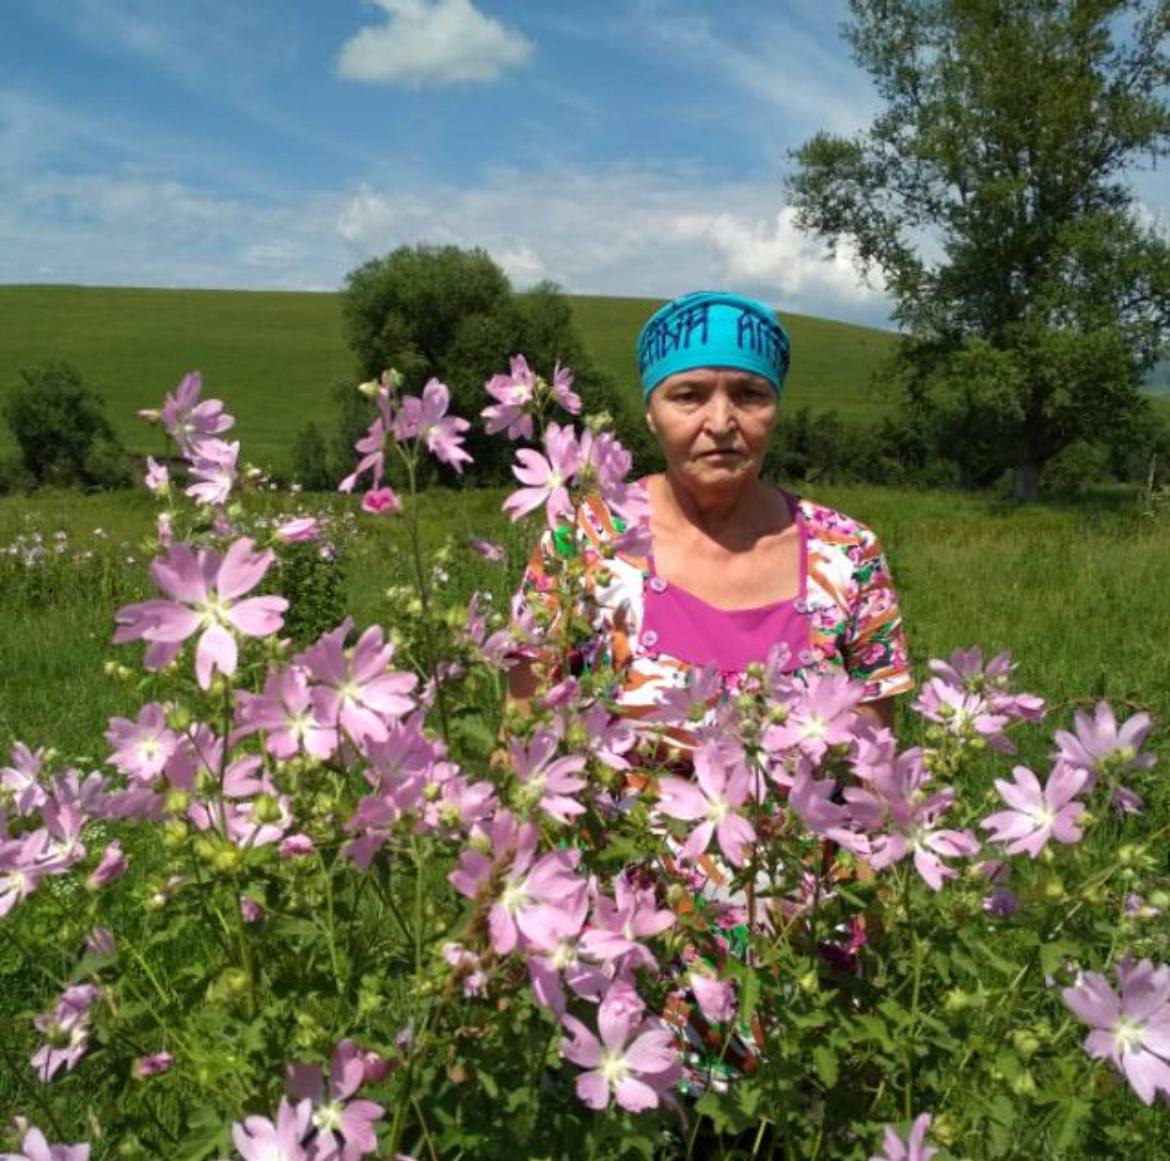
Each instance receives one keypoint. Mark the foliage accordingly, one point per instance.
(59, 423)
(990, 194)
(450, 314)
(332, 861)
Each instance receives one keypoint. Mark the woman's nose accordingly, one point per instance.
(720, 414)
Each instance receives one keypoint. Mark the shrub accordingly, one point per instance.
(59, 423)
(1075, 468)
(310, 460)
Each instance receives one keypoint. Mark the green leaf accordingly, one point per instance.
(825, 1063)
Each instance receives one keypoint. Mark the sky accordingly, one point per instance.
(619, 147)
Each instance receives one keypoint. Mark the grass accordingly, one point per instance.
(1072, 591)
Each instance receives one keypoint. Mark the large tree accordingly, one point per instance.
(992, 195)
(451, 313)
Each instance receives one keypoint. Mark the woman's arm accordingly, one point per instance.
(881, 711)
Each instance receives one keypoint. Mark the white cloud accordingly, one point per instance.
(623, 231)
(431, 42)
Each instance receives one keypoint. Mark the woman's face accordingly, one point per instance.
(714, 424)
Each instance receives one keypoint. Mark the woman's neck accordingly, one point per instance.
(714, 513)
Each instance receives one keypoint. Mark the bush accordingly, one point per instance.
(310, 460)
(59, 423)
(1075, 468)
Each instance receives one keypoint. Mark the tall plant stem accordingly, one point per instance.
(15, 1068)
(424, 595)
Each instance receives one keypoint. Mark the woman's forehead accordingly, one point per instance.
(711, 376)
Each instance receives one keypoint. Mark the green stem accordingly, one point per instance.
(331, 933)
(15, 1069)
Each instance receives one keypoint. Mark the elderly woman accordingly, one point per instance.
(736, 566)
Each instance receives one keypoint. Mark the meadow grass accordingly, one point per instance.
(1075, 592)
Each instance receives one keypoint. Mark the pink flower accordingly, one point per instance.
(250, 910)
(296, 846)
(345, 1127)
(821, 715)
(66, 1029)
(381, 502)
(691, 702)
(492, 553)
(157, 477)
(547, 782)
(190, 422)
(258, 1139)
(562, 389)
(1102, 749)
(154, 1065)
(966, 716)
(22, 779)
(1130, 1030)
(722, 784)
(1036, 814)
(716, 998)
(619, 925)
(286, 715)
(112, 865)
(913, 1148)
(632, 1063)
(21, 868)
(204, 590)
(427, 419)
(359, 693)
(532, 897)
(214, 466)
(142, 747)
(964, 670)
(373, 444)
(299, 530)
(466, 964)
(514, 394)
(36, 1148)
(546, 476)
(100, 942)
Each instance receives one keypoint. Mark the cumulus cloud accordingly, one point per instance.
(431, 42)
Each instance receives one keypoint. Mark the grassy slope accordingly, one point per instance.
(273, 355)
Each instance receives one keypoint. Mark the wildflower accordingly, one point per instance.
(21, 868)
(358, 692)
(189, 422)
(100, 942)
(381, 502)
(716, 998)
(549, 782)
(619, 925)
(964, 670)
(531, 896)
(372, 445)
(157, 477)
(514, 394)
(250, 910)
(153, 1065)
(562, 389)
(913, 1148)
(214, 466)
(722, 784)
(427, 419)
(204, 590)
(258, 1139)
(345, 1127)
(1036, 814)
(691, 701)
(822, 715)
(36, 1148)
(299, 530)
(966, 716)
(285, 712)
(296, 846)
(1131, 1029)
(634, 1061)
(546, 477)
(492, 553)
(112, 865)
(144, 746)
(1101, 748)
(21, 779)
(66, 1029)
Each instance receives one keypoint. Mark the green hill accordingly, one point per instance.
(273, 355)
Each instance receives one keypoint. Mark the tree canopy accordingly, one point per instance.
(451, 313)
(992, 196)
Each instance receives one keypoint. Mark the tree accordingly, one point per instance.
(60, 426)
(450, 313)
(991, 195)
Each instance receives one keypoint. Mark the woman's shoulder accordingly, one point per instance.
(832, 527)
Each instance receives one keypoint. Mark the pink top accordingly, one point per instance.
(689, 629)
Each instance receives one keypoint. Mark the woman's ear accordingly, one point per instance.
(650, 422)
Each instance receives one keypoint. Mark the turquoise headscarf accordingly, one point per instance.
(713, 329)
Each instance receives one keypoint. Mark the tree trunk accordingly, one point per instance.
(1026, 482)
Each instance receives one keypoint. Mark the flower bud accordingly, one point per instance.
(266, 809)
(1025, 1042)
(1024, 1084)
(227, 858)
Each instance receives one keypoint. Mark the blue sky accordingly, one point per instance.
(616, 146)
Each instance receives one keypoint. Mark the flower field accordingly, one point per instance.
(281, 878)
